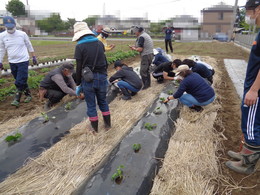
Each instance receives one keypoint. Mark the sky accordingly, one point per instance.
(154, 10)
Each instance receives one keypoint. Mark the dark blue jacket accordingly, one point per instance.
(196, 86)
(159, 58)
(253, 66)
(202, 70)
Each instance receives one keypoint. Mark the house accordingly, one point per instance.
(217, 19)
(186, 27)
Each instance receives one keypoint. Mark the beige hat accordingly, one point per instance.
(80, 29)
(106, 30)
(180, 69)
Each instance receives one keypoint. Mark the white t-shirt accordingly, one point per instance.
(17, 46)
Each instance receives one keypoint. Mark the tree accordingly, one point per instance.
(51, 24)
(91, 21)
(16, 8)
(69, 24)
(157, 27)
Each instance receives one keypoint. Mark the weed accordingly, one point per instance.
(136, 147)
(118, 175)
(13, 138)
(150, 126)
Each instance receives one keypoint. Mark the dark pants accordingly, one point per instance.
(146, 61)
(54, 96)
(159, 75)
(250, 123)
(168, 42)
(20, 74)
(96, 91)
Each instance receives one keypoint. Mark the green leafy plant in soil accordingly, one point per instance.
(118, 175)
(7, 91)
(157, 110)
(44, 70)
(33, 82)
(170, 92)
(136, 147)
(13, 138)
(45, 117)
(68, 106)
(120, 55)
(162, 99)
(32, 73)
(3, 81)
(150, 126)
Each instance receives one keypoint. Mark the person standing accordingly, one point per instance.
(103, 38)
(17, 45)
(144, 45)
(168, 39)
(249, 156)
(90, 52)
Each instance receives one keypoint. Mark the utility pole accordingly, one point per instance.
(233, 20)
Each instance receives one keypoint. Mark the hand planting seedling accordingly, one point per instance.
(170, 92)
(136, 147)
(150, 126)
(68, 106)
(157, 110)
(118, 175)
(162, 99)
(45, 116)
(13, 138)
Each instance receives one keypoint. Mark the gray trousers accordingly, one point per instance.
(146, 61)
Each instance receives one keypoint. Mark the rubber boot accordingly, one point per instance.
(17, 98)
(238, 155)
(28, 95)
(107, 121)
(94, 126)
(248, 165)
(126, 94)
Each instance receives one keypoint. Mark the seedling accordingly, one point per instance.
(118, 175)
(162, 99)
(13, 138)
(68, 106)
(136, 147)
(45, 116)
(169, 92)
(157, 110)
(150, 126)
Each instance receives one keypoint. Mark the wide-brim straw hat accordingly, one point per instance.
(180, 69)
(81, 29)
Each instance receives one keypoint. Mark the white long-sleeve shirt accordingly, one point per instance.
(17, 46)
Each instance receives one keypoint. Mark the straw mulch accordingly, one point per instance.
(191, 165)
(62, 168)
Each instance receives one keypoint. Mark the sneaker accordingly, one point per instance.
(15, 103)
(28, 99)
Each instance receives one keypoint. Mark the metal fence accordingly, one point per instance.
(245, 40)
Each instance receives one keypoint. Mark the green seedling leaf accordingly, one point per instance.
(45, 116)
(13, 138)
(150, 126)
(136, 147)
(162, 99)
(68, 106)
(118, 174)
(170, 92)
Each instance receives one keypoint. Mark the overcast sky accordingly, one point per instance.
(155, 10)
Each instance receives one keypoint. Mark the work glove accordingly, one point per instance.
(34, 60)
(78, 90)
(1, 66)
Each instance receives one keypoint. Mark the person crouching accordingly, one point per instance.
(126, 79)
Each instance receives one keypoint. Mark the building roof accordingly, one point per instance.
(220, 7)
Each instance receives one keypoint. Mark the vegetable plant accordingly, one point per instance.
(136, 147)
(169, 92)
(162, 99)
(118, 175)
(150, 126)
(13, 138)
(68, 106)
(157, 110)
(45, 116)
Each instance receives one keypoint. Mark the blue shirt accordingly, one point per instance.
(196, 86)
(168, 34)
(253, 65)
(159, 58)
(202, 70)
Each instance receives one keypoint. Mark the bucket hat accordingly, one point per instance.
(81, 29)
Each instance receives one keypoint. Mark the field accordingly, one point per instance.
(228, 115)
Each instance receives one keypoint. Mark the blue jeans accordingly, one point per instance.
(20, 74)
(123, 84)
(190, 101)
(250, 123)
(96, 91)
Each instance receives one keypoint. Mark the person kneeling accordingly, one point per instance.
(126, 80)
(56, 84)
(198, 92)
